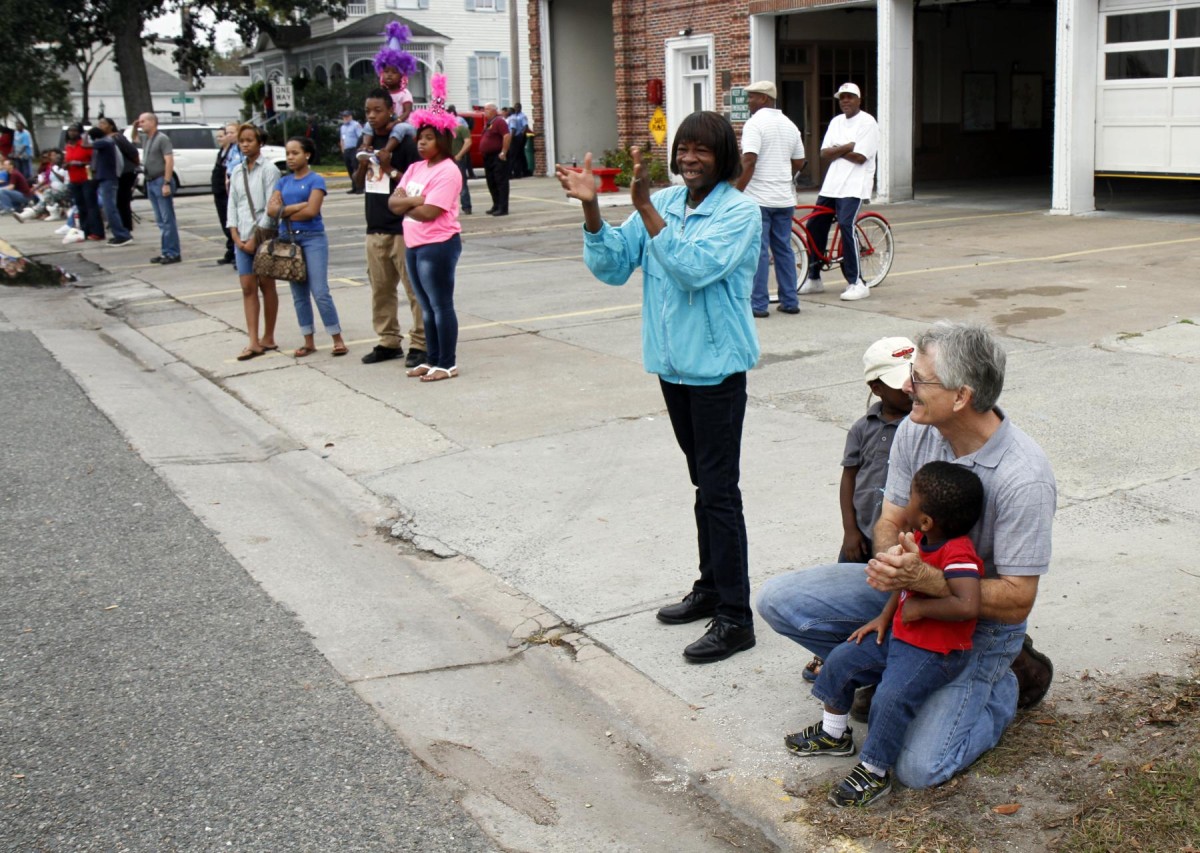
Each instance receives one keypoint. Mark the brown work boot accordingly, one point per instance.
(1034, 673)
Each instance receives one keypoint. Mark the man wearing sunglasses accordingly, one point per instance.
(956, 378)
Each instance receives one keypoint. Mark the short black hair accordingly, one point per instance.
(95, 132)
(713, 131)
(951, 495)
(380, 94)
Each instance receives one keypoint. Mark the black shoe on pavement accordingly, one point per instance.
(490, 211)
(762, 315)
(695, 605)
(860, 710)
(382, 354)
(119, 241)
(467, 211)
(170, 259)
(1034, 673)
(724, 639)
(224, 261)
(157, 259)
(788, 309)
(416, 357)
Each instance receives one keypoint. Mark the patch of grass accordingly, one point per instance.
(1124, 336)
(1188, 322)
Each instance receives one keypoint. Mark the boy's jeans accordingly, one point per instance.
(820, 607)
(906, 676)
(107, 191)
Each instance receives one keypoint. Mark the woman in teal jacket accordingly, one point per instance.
(698, 246)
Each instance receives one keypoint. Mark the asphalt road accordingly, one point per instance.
(152, 697)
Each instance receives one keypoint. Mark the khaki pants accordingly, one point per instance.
(385, 266)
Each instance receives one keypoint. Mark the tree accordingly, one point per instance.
(29, 63)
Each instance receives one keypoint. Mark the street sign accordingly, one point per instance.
(183, 99)
(283, 97)
(658, 125)
(739, 105)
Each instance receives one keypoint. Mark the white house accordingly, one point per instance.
(470, 41)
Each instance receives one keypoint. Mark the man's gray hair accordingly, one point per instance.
(966, 355)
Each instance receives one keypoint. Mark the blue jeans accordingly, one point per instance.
(11, 200)
(316, 289)
(164, 217)
(707, 420)
(846, 211)
(431, 271)
(107, 191)
(464, 198)
(906, 675)
(820, 607)
(777, 238)
(87, 218)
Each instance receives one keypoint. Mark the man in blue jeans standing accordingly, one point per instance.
(956, 378)
(158, 161)
(107, 163)
(771, 154)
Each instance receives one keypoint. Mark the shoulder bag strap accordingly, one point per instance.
(249, 195)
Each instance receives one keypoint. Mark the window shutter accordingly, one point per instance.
(470, 5)
(504, 81)
(423, 4)
(473, 80)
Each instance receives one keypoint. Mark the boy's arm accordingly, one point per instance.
(385, 154)
(960, 605)
(880, 624)
(854, 544)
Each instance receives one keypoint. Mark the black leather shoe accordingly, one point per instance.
(1034, 673)
(695, 605)
(490, 211)
(382, 354)
(788, 309)
(170, 259)
(223, 261)
(415, 358)
(724, 639)
(762, 315)
(157, 259)
(860, 710)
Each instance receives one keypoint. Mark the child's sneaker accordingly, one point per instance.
(815, 741)
(861, 788)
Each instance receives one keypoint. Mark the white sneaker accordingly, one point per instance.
(62, 229)
(856, 291)
(812, 285)
(26, 214)
(74, 236)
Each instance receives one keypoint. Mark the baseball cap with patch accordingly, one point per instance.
(850, 89)
(889, 359)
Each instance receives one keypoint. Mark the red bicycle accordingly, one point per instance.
(875, 245)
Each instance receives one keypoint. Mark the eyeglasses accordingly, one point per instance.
(912, 377)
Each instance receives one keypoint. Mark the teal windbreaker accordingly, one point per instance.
(697, 274)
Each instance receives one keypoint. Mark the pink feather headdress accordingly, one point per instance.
(393, 54)
(436, 116)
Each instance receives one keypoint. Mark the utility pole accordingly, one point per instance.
(514, 48)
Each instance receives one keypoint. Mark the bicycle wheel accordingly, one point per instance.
(801, 253)
(875, 248)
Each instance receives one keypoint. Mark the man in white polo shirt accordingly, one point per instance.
(771, 154)
(850, 145)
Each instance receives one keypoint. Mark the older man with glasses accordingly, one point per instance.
(956, 378)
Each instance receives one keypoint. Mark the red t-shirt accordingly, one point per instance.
(493, 136)
(77, 153)
(957, 559)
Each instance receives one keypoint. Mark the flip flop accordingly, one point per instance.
(247, 354)
(303, 351)
(419, 370)
(437, 374)
(271, 349)
(341, 350)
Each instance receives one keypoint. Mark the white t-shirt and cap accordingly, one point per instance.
(775, 140)
(844, 179)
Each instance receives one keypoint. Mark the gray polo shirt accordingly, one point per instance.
(154, 150)
(1019, 494)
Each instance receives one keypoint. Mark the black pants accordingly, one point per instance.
(496, 171)
(707, 420)
(350, 160)
(125, 199)
(221, 200)
(87, 208)
(516, 157)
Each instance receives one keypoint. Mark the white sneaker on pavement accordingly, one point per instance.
(856, 291)
(812, 285)
(74, 236)
(62, 229)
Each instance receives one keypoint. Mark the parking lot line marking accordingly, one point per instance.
(1044, 258)
(970, 218)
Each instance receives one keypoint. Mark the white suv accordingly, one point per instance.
(196, 148)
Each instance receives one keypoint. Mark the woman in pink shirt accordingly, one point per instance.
(427, 197)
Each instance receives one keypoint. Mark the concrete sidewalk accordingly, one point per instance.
(550, 462)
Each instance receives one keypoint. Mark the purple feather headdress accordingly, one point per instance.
(392, 54)
(436, 116)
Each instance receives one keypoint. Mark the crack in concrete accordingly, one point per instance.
(450, 667)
